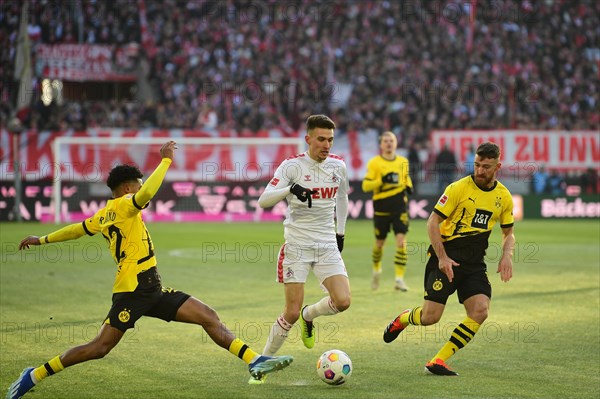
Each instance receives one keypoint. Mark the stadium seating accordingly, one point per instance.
(406, 66)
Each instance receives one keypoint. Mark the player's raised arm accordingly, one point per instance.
(152, 184)
(70, 232)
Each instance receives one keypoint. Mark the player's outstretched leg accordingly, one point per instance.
(21, 386)
(264, 365)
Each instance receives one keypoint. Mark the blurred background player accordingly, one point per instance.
(137, 290)
(388, 178)
(446, 167)
(315, 185)
(459, 229)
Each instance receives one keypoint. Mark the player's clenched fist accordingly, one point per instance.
(302, 193)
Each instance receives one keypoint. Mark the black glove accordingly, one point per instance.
(340, 242)
(302, 193)
(391, 177)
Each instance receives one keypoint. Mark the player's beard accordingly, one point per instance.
(483, 182)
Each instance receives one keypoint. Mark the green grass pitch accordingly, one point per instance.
(541, 339)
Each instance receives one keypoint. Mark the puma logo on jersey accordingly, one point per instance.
(471, 199)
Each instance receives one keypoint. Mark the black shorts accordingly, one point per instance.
(469, 280)
(150, 298)
(397, 221)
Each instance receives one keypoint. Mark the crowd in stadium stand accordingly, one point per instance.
(409, 67)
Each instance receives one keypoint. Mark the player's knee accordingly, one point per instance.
(342, 304)
(430, 316)
(207, 317)
(479, 312)
(211, 314)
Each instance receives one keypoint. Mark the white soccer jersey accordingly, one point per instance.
(304, 225)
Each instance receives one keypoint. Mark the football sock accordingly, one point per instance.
(461, 336)
(52, 367)
(400, 261)
(324, 307)
(241, 350)
(377, 254)
(413, 317)
(277, 336)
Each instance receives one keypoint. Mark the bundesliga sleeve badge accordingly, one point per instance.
(443, 199)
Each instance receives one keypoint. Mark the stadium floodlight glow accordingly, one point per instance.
(46, 96)
(59, 142)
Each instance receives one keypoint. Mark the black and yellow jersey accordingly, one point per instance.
(388, 198)
(469, 214)
(120, 222)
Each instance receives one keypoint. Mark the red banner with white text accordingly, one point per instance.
(561, 150)
(213, 162)
(521, 150)
(87, 62)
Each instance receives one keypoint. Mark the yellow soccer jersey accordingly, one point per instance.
(387, 197)
(120, 222)
(470, 211)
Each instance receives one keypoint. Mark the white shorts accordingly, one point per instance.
(295, 262)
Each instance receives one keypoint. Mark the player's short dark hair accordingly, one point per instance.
(319, 121)
(121, 174)
(488, 150)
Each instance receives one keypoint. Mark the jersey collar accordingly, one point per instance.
(484, 189)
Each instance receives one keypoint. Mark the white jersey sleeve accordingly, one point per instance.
(315, 225)
(341, 205)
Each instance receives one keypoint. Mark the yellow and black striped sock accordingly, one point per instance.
(413, 317)
(400, 261)
(461, 336)
(52, 367)
(377, 255)
(241, 350)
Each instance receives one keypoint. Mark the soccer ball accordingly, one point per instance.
(334, 367)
